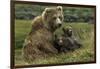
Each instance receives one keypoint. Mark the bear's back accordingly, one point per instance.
(37, 23)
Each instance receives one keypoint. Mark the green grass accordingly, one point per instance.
(22, 28)
(84, 32)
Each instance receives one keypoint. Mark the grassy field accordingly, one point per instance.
(82, 31)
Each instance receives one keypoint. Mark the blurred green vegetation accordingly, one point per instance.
(22, 28)
(71, 14)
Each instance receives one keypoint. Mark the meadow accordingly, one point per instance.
(84, 32)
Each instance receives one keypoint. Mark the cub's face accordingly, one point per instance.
(59, 40)
(54, 16)
(68, 31)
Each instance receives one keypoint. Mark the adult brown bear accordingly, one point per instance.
(39, 42)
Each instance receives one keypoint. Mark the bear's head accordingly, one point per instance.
(68, 31)
(53, 17)
(58, 40)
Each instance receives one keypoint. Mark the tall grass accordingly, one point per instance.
(84, 32)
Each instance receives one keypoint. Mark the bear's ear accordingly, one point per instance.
(70, 26)
(59, 8)
(47, 10)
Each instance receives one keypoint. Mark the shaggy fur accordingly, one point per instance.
(39, 42)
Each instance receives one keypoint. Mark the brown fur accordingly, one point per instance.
(39, 42)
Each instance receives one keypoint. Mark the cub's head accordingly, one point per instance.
(53, 17)
(68, 31)
(59, 40)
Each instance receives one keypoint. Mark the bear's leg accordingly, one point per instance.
(30, 53)
(78, 45)
(48, 48)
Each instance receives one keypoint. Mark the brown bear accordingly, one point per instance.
(39, 42)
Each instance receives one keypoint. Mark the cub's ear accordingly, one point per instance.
(59, 8)
(70, 26)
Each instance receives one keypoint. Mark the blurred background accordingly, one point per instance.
(71, 14)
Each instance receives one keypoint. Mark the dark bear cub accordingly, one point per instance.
(66, 42)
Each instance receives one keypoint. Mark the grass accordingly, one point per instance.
(82, 31)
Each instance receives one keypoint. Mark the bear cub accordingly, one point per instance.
(66, 42)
